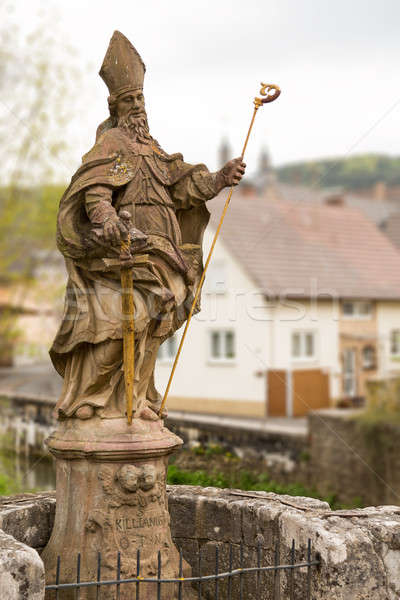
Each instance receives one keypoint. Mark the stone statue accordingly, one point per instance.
(111, 473)
(127, 170)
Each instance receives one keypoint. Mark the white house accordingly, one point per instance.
(300, 308)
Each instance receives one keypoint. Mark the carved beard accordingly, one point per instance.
(136, 127)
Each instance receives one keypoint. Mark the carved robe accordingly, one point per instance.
(166, 199)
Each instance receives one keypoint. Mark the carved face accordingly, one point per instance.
(128, 477)
(130, 103)
(148, 477)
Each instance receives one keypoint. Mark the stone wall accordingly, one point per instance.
(257, 442)
(27, 420)
(359, 550)
(354, 460)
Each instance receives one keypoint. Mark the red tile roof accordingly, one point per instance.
(304, 249)
(392, 229)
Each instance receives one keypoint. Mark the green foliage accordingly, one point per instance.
(246, 480)
(214, 450)
(361, 171)
(383, 403)
(177, 476)
(305, 456)
(7, 486)
(38, 83)
(198, 450)
(27, 228)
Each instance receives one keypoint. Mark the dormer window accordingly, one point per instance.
(357, 309)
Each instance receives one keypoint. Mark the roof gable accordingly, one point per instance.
(305, 250)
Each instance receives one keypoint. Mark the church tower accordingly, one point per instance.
(266, 177)
(264, 162)
(224, 152)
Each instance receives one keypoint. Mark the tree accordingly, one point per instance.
(38, 79)
(354, 172)
(37, 100)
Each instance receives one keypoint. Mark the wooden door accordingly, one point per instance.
(276, 391)
(310, 391)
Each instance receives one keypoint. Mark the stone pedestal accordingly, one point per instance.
(111, 498)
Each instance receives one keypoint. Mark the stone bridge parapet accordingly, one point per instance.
(359, 549)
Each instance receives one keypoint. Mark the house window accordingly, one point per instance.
(222, 345)
(395, 343)
(303, 344)
(216, 278)
(349, 372)
(360, 309)
(368, 357)
(168, 349)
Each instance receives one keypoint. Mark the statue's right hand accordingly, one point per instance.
(113, 229)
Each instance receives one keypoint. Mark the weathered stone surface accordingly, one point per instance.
(111, 498)
(359, 549)
(21, 571)
(28, 518)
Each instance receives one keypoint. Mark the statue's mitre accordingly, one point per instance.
(122, 69)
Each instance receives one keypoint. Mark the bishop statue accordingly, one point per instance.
(127, 185)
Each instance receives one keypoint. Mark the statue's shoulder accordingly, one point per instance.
(163, 155)
(175, 164)
(111, 142)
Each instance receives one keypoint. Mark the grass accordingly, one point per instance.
(8, 486)
(246, 480)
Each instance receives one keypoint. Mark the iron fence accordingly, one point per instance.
(199, 582)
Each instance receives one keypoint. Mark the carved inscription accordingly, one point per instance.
(127, 523)
(134, 516)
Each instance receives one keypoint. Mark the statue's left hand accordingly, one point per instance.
(231, 173)
(138, 239)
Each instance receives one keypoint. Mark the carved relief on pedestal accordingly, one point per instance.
(134, 517)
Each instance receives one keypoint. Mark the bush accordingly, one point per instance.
(246, 480)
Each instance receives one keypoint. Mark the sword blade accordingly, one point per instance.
(128, 335)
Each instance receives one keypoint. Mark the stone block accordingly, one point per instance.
(190, 551)
(218, 517)
(182, 510)
(28, 518)
(21, 571)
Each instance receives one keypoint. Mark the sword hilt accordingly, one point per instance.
(125, 217)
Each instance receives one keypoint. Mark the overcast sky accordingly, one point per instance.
(336, 63)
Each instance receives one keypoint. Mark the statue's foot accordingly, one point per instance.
(155, 406)
(150, 412)
(84, 412)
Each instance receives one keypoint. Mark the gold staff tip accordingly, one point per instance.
(270, 91)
